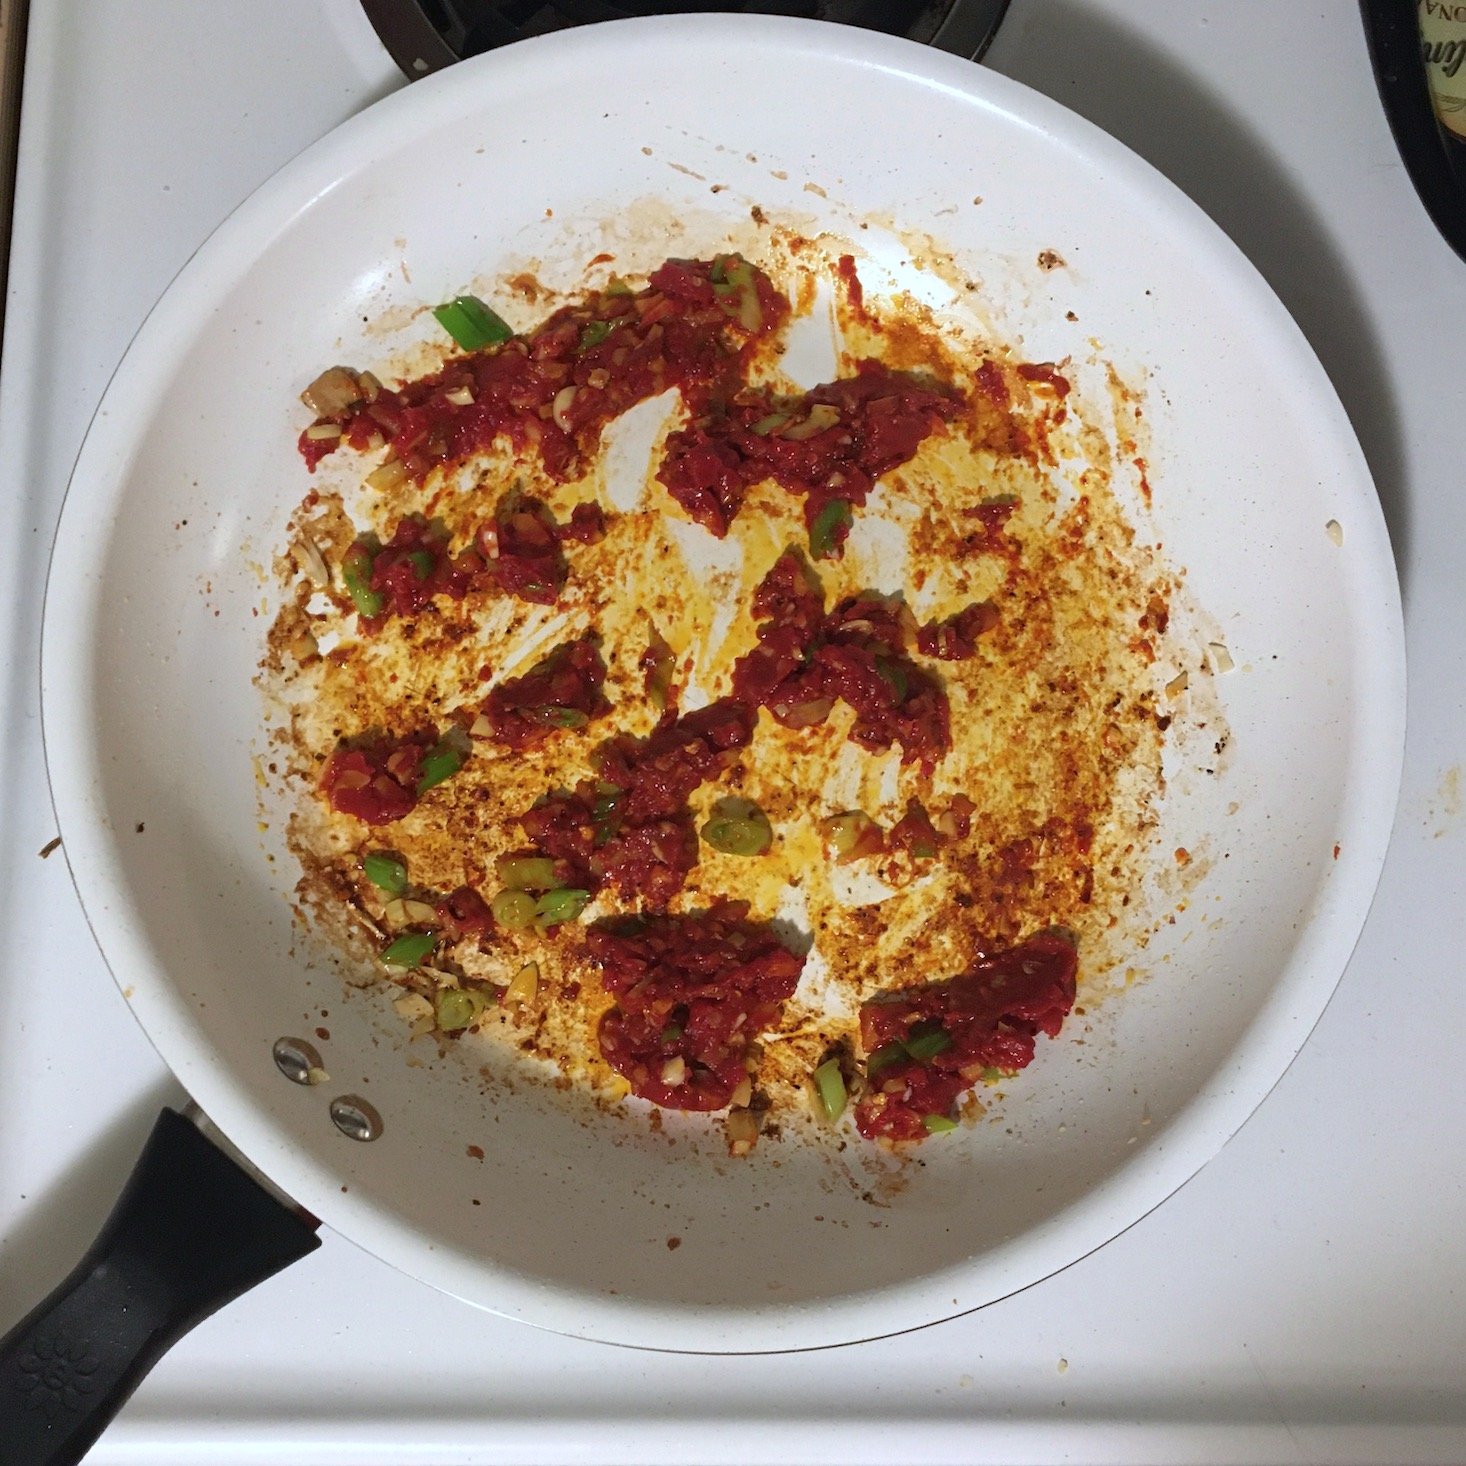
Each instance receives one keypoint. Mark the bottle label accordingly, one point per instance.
(1443, 45)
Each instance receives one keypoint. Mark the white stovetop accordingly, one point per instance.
(1304, 1298)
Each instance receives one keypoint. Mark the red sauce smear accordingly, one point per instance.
(553, 391)
(375, 779)
(415, 565)
(988, 1018)
(831, 444)
(955, 639)
(562, 690)
(631, 827)
(805, 659)
(464, 913)
(692, 992)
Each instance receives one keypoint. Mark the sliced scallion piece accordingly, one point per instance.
(456, 1008)
(526, 872)
(829, 1083)
(387, 872)
(560, 717)
(928, 1044)
(562, 905)
(894, 675)
(884, 1057)
(594, 332)
(422, 563)
(356, 576)
(513, 910)
(937, 1124)
(471, 323)
(440, 762)
(829, 529)
(409, 949)
(738, 827)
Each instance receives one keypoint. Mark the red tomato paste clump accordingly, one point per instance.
(562, 690)
(691, 993)
(928, 1044)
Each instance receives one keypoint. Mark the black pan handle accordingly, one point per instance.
(190, 1232)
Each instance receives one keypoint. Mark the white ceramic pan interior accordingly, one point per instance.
(157, 610)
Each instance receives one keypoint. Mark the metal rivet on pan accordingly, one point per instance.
(354, 1117)
(298, 1061)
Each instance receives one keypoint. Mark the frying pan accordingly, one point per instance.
(648, 139)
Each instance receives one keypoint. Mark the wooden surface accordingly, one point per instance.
(12, 56)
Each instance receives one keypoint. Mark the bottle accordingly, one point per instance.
(1443, 49)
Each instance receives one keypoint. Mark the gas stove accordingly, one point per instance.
(1299, 1299)
(425, 35)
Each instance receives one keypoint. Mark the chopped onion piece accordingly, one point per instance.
(387, 475)
(308, 556)
(742, 1131)
(561, 405)
(337, 389)
(412, 1007)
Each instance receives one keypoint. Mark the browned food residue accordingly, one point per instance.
(1046, 800)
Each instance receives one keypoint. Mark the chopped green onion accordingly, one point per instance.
(604, 813)
(671, 1033)
(924, 850)
(555, 907)
(738, 827)
(888, 1054)
(456, 1008)
(991, 1074)
(422, 562)
(937, 1124)
(829, 1083)
(386, 872)
(893, 674)
(409, 949)
(928, 1044)
(471, 323)
(829, 529)
(659, 663)
(560, 717)
(513, 910)
(770, 424)
(526, 872)
(442, 761)
(596, 331)
(617, 286)
(356, 576)
(822, 416)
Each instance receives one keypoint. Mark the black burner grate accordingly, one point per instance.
(425, 35)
